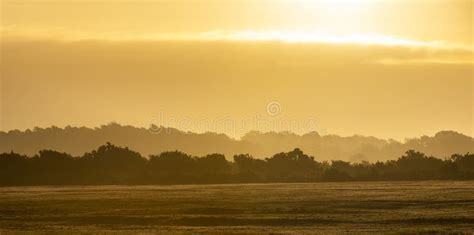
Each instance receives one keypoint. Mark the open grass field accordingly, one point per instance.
(428, 206)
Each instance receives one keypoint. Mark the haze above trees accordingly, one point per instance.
(78, 140)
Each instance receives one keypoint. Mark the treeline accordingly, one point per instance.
(110, 164)
(156, 139)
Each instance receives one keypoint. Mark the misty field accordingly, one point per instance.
(428, 206)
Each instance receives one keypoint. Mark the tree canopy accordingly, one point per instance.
(111, 164)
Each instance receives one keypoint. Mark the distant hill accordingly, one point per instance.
(78, 140)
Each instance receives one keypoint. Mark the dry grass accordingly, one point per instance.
(254, 208)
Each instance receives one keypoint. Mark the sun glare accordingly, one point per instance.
(308, 37)
(242, 35)
(338, 5)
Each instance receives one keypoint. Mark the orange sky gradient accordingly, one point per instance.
(391, 69)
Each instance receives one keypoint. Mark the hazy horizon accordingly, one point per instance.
(153, 140)
(390, 69)
(322, 132)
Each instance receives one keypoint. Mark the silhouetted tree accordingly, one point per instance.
(417, 166)
(249, 169)
(113, 164)
(464, 165)
(52, 167)
(172, 167)
(212, 167)
(291, 166)
(14, 169)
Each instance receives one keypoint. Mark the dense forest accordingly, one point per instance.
(156, 139)
(111, 164)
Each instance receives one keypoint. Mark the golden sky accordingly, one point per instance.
(374, 67)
